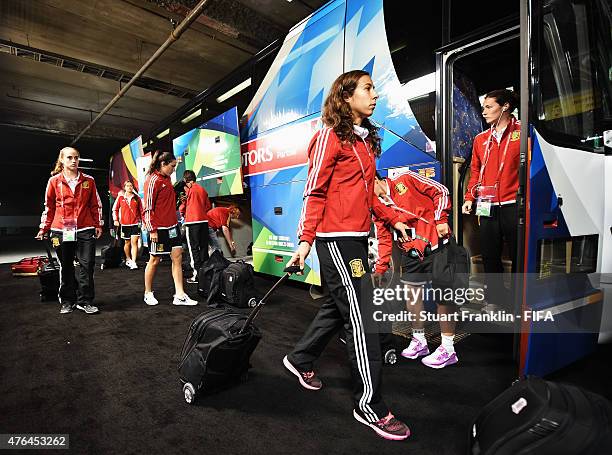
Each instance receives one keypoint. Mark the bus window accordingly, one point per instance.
(412, 44)
(574, 73)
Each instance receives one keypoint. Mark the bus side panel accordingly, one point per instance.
(276, 210)
(301, 74)
(559, 209)
(367, 48)
(397, 153)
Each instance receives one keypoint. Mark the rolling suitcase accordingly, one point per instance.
(112, 254)
(49, 276)
(540, 417)
(219, 345)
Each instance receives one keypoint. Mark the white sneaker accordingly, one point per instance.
(132, 265)
(150, 299)
(185, 300)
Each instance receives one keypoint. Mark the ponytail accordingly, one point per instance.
(59, 166)
(159, 158)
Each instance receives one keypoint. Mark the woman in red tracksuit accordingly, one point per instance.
(73, 220)
(220, 218)
(423, 204)
(194, 209)
(493, 185)
(127, 213)
(162, 223)
(338, 199)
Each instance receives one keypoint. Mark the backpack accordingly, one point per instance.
(238, 287)
(210, 274)
(451, 267)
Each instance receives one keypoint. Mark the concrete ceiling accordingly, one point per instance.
(61, 61)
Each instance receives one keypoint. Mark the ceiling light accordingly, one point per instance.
(163, 133)
(191, 116)
(86, 159)
(240, 87)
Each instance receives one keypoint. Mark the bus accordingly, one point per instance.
(557, 55)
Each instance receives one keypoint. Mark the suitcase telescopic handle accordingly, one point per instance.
(288, 271)
(47, 243)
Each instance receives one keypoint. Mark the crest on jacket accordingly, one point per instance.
(401, 188)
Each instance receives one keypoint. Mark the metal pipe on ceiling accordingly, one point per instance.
(175, 35)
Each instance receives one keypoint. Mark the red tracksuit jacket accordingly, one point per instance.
(61, 204)
(507, 179)
(195, 208)
(421, 203)
(218, 217)
(339, 193)
(127, 211)
(159, 203)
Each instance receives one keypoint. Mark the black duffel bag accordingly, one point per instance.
(543, 418)
(451, 267)
(210, 276)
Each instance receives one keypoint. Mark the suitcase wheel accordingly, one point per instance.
(252, 303)
(390, 357)
(189, 393)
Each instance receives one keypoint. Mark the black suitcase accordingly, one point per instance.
(112, 254)
(218, 347)
(238, 285)
(49, 276)
(544, 418)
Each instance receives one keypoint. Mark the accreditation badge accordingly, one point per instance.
(55, 242)
(69, 230)
(483, 207)
(357, 269)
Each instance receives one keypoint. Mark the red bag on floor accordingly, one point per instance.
(29, 266)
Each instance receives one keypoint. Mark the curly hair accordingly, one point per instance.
(338, 115)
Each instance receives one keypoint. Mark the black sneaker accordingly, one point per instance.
(66, 308)
(387, 427)
(308, 379)
(88, 308)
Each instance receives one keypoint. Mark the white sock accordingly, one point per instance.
(448, 343)
(419, 334)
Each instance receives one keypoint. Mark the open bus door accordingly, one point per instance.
(554, 58)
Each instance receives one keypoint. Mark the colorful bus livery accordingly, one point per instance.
(285, 112)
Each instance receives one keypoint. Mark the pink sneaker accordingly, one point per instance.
(388, 427)
(440, 358)
(415, 349)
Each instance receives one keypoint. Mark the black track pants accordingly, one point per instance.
(349, 306)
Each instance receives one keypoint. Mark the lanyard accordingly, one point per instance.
(129, 204)
(392, 203)
(487, 154)
(365, 181)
